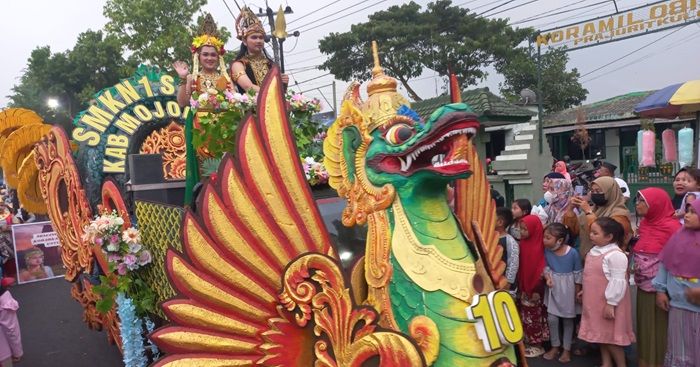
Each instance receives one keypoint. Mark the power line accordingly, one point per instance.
(332, 14)
(512, 7)
(576, 17)
(314, 78)
(675, 44)
(495, 7)
(313, 12)
(561, 12)
(552, 10)
(355, 12)
(229, 9)
(632, 52)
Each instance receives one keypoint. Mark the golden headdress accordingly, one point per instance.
(248, 23)
(208, 36)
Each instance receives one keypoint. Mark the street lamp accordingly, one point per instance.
(53, 103)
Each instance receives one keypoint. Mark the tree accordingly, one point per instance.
(581, 136)
(561, 89)
(72, 77)
(439, 38)
(157, 32)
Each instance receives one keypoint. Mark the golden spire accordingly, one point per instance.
(383, 99)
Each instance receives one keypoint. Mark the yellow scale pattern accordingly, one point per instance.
(160, 228)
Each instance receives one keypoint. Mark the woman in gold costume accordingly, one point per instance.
(207, 54)
(252, 62)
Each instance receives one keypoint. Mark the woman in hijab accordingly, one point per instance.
(658, 224)
(557, 198)
(531, 285)
(608, 202)
(560, 167)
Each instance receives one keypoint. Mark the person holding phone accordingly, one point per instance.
(608, 201)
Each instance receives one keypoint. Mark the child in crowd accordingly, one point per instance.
(607, 311)
(10, 336)
(563, 276)
(689, 181)
(520, 208)
(531, 285)
(679, 273)
(511, 249)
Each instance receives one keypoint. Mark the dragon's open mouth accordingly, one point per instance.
(442, 152)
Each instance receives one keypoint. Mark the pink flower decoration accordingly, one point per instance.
(145, 258)
(121, 269)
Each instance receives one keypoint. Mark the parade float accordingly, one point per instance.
(249, 273)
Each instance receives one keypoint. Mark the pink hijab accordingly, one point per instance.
(681, 255)
(560, 167)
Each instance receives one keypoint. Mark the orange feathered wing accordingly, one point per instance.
(257, 217)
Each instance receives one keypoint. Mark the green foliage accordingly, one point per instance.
(133, 286)
(158, 32)
(561, 88)
(72, 76)
(440, 37)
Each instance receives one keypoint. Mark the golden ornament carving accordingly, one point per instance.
(314, 287)
(170, 143)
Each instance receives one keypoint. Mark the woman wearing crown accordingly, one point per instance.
(209, 70)
(252, 62)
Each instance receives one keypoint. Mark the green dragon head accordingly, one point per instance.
(405, 151)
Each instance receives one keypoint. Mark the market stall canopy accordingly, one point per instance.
(676, 100)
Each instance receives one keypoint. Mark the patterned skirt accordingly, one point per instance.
(534, 318)
(683, 338)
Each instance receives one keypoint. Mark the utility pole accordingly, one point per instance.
(277, 36)
(335, 101)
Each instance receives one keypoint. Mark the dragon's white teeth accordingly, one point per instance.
(438, 158)
(405, 165)
(449, 163)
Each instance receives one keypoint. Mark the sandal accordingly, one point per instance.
(533, 351)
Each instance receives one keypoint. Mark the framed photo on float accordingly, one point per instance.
(37, 252)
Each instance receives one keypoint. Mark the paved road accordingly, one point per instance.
(54, 334)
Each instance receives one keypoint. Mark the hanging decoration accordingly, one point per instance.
(648, 149)
(639, 145)
(668, 138)
(685, 147)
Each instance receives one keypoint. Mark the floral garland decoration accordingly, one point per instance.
(125, 255)
(315, 172)
(131, 331)
(207, 40)
(215, 130)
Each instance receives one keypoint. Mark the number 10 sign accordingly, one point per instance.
(497, 320)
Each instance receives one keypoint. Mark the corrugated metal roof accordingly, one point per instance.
(611, 109)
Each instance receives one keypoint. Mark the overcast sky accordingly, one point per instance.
(673, 58)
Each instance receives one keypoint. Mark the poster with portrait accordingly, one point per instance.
(37, 252)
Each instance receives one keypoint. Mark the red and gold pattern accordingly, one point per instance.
(66, 201)
(258, 229)
(170, 143)
(70, 212)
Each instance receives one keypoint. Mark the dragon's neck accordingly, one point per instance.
(432, 221)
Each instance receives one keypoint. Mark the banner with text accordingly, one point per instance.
(649, 18)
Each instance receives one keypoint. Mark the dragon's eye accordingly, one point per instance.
(399, 133)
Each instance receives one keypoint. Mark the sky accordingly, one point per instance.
(662, 58)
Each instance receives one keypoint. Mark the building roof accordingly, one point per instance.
(487, 105)
(611, 109)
